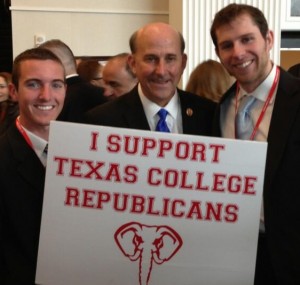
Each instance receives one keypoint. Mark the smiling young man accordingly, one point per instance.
(158, 61)
(243, 42)
(38, 83)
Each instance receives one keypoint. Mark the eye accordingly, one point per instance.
(150, 58)
(246, 40)
(171, 58)
(137, 240)
(57, 85)
(33, 84)
(114, 84)
(225, 46)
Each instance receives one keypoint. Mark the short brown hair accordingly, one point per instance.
(31, 54)
(231, 12)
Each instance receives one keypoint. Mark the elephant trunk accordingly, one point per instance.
(145, 267)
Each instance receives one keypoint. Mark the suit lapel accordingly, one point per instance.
(286, 106)
(187, 113)
(134, 114)
(29, 166)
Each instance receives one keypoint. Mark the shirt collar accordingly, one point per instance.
(152, 108)
(38, 143)
(262, 91)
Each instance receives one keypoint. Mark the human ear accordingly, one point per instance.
(13, 93)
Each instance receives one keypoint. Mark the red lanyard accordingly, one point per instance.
(23, 133)
(263, 111)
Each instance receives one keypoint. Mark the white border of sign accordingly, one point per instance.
(109, 192)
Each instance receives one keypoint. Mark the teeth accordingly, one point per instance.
(45, 108)
(245, 64)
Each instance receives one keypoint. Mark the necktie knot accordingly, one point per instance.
(162, 124)
(244, 125)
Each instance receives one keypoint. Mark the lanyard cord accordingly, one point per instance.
(263, 111)
(23, 133)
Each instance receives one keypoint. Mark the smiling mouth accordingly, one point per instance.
(244, 64)
(160, 82)
(45, 108)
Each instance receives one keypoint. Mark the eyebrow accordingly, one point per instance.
(39, 80)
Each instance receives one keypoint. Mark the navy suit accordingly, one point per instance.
(281, 194)
(127, 112)
(22, 177)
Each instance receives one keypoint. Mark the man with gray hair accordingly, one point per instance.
(118, 76)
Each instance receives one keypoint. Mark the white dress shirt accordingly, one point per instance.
(228, 109)
(174, 118)
(228, 112)
(38, 145)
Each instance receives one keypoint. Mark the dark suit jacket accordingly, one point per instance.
(295, 70)
(22, 178)
(281, 186)
(127, 112)
(80, 97)
(11, 110)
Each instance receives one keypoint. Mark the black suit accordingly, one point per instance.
(22, 178)
(127, 112)
(281, 186)
(295, 70)
(80, 97)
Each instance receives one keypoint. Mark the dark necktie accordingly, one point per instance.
(162, 124)
(243, 122)
(46, 149)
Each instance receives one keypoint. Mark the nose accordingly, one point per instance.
(161, 67)
(45, 92)
(238, 50)
(108, 91)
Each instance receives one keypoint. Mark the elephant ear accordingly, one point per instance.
(127, 239)
(167, 244)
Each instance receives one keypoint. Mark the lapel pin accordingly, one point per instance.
(189, 112)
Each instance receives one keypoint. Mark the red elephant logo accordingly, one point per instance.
(147, 244)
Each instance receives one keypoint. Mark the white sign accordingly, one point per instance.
(137, 207)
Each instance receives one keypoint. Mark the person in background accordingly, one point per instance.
(118, 76)
(90, 71)
(38, 83)
(243, 42)
(158, 60)
(9, 108)
(81, 96)
(210, 80)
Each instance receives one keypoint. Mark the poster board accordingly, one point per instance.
(137, 207)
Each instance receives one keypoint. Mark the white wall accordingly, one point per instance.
(89, 27)
(103, 27)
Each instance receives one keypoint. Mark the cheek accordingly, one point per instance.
(223, 57)
(143, 68)
(60, 98)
